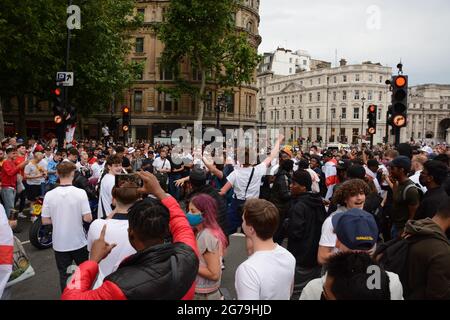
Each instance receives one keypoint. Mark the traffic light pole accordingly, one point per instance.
(397, 136)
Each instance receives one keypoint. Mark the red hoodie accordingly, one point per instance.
(84, 277)
(9, 174)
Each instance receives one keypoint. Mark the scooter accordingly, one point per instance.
(40, 235)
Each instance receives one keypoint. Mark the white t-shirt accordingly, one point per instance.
(97, 170)
(240, 177)
(116, 232)
(266, 275)
(314, 288)
(328, 237)
(415, 178)
(106, 187)
(105, 131)
(66, 206)
(33, 170)
(158, 164)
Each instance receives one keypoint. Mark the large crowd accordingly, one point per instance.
(143, 222)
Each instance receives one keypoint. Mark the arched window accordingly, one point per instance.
(249, 26)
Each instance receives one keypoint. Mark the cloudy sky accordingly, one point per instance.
(417, 31)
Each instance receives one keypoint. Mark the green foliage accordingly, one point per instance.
(33, 44)
(204, 33)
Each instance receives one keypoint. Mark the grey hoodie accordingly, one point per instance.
(429, 261)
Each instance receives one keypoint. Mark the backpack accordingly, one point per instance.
(419, 190)
(393, 256)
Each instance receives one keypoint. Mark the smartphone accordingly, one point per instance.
(121, 179)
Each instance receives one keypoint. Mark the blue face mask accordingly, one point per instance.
(194, 219)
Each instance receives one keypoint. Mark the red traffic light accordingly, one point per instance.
(58, 119)
(57, 92)
(400, 81)
(372, 108)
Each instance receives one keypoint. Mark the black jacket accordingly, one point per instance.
(280, 193)
(145, 275)
(220, 201)
(431, 201)
(306, 216)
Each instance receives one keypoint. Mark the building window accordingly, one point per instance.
(292, 114)
(285, 100)
(355, 134)
(356, 94)
(370, 77)
(334, 96)
(344, 78)
(310, 97)
(310, 82)
(290, 70)
(344, 95)
(271, 115)
(431, 106)
(335, 79)
(285, 115)
(290, 60)
(310, 113)
(333, 113)
(250, 26)
(165, 74)
(318, 81)
(442, 106)
(344, 113)
(167, 103)
(356, 113)
(272, 101)
(379, 113)
(357, 77)
(196, 75)
(278, 100)
(301, 98)
(370, 95)
(139, 48)
(318, 113)
(319, 138)
(141, 12)
(380, 96)
(381, 79)
(301, 116)
(138, 101)
(318, 96)
(304, 62)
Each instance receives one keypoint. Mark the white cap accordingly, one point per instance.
(131, 150)
(427, 149)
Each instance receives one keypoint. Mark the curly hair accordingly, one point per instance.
(349, 189)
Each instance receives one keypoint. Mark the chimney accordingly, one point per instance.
(343, 62)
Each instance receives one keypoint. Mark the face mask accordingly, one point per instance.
(194, 219)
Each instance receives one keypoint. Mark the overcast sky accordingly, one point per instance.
(363, 30)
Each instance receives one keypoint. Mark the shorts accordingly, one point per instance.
(33, 192)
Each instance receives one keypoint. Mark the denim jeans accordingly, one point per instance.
(8, 196)
(235, 215)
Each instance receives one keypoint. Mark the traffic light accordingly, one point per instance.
(372, 116)
(125, 119)
(59, 112)
(399, 101)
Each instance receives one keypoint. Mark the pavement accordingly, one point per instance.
(44, 285)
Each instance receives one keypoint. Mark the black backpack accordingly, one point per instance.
(393, 256)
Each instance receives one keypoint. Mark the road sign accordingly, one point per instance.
(65, 79)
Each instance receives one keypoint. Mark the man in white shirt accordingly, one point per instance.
(98, 167)
(162, 164)
(417, 166)
(356, 231)
(114, 167)
(116, 232)
(66, 207)
(268, 274)
(246, 183)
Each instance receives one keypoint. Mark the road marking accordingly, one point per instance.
(25, 242)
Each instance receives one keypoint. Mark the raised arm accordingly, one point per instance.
(275, 151)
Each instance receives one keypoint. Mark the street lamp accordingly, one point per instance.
(362, 118)
(261, 102)
(340, 129)
(275, 125)
(221, 106)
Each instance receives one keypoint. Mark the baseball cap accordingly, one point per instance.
(38, 148)
(131, 150)
(401, 162)
(427, 149)
(356, 229)
(19, 141)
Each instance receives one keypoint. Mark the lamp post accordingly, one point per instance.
(362, 118)
(220, 107)
(275, 125)
(340, 129)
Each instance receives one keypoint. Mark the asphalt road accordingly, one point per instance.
(44, 285)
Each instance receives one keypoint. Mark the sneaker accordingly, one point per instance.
(21, 215)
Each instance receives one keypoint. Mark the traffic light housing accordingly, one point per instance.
(126, 122)
(372, 116)
(399, 101)
(59, 112)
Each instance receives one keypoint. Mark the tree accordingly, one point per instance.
(204, 33)
(33, 44)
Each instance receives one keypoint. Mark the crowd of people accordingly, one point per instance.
(318, 224)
